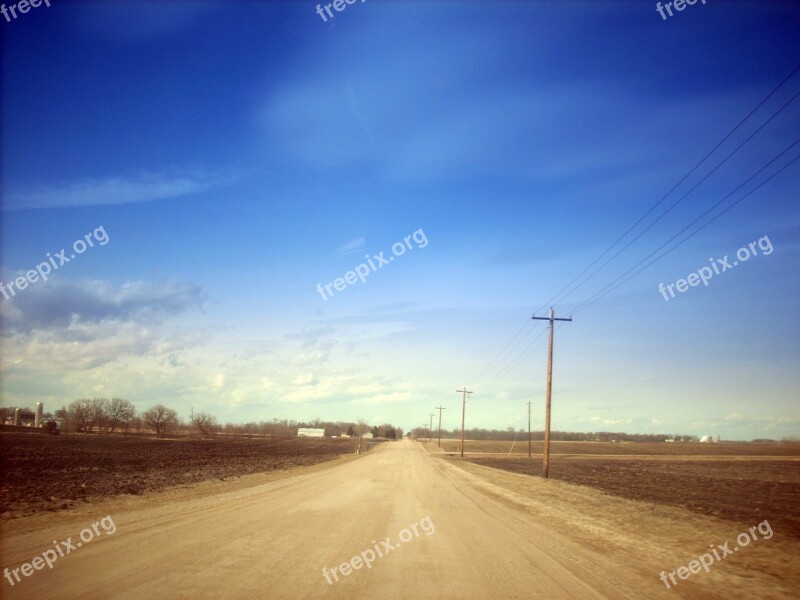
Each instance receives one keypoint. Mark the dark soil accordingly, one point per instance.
(743, 490)
(42, 472)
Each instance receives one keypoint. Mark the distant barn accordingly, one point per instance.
(305, 432)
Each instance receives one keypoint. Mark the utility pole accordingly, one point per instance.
(546, 461)
(430, 429)
(529, 429)
(440, 409)
(464, 393)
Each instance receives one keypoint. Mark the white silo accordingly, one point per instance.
(37, 421)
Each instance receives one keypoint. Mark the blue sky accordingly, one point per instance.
(238, 154)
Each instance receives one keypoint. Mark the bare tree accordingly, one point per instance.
(96, 412)
(361, 429)
(120, 411)
(206, 424)
(137, 423)
(63, 414)
(160, 418)
(79, 414)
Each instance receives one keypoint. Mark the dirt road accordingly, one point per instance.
(273, 541)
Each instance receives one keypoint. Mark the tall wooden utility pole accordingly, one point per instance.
(430, 429)
(529, 429)
(464, 393)
(551, 318)
(440, 409)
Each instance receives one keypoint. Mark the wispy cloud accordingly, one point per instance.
(350, 248)
(146, 187)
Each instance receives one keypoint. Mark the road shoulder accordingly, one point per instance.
(649, 538)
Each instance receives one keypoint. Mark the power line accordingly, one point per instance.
(546, 458)
(514, 360)
(682, 198)
(529, 429)
(514, 343)
(440, 409)
(526, 354)
(664, 197)
(488, 368)
(519, 357)
(597, 296)
(605, 291)
(463, 409)
(516, 350)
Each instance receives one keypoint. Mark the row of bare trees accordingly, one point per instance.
(87, 415)
(101, 414)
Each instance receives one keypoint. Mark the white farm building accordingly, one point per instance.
(307, 432)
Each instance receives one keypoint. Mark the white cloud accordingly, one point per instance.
(63, 305)
(146, 187)
(88, 346)
(86, 324)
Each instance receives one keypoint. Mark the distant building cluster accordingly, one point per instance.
(311, 432)
(23, 417)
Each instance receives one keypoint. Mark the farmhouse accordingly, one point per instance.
(307, 432)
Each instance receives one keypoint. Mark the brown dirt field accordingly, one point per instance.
(736, 490)
(624, 448)
(46, 473)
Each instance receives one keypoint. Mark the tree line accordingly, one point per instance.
(86, 415)
(510, 433)
(289, 427)
(94, 415)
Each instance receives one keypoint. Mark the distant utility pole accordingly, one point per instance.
(440, 409)
(464, 393)
(430, 429)
(551, 318)
(529, 429)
